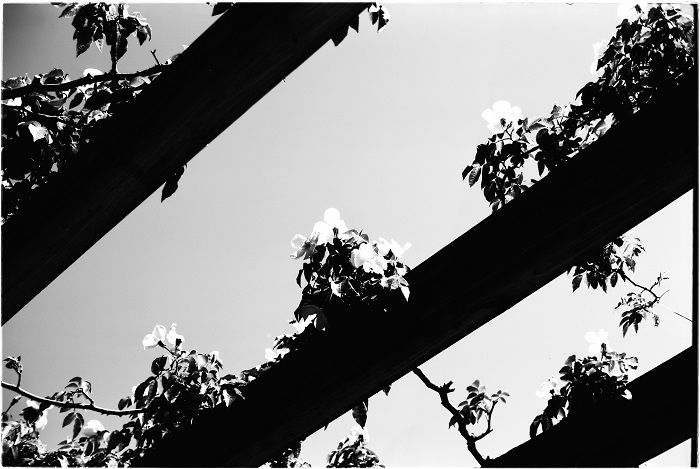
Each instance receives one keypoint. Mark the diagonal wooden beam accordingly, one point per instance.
(628, 175)
(233, 64)
(620, 433)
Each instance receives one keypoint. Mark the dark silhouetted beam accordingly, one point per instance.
(233, 64)
(621, 433)
(629, 174)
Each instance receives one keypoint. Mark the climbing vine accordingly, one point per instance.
(341, 265)
(49, 118)
(652, 50)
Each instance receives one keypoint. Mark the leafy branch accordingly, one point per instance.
(582, 383)
(70, 405)
(477, 405)
(37, 86)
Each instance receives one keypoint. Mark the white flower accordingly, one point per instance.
(366, 257)
(172, 336)
(357, 431)
(501, 115)
(332, 217)
(384, 246)
(160, 336)
(598, 50)
(545, 391)
(92, 72)
(627, 10)
(300, 326)
(272, 354)
(363, 254)
(92, 428)
(322, 233)
(596, 339)
(42, 420)
(304, 246)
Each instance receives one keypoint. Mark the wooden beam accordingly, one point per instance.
(628, 175)
(233, 64)
(621, 433)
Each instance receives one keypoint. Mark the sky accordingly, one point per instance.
(380, 128)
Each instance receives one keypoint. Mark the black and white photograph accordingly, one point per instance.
(402, 234)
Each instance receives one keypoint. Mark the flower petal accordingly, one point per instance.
(489, 116)
(331, 216)
(159, 332)
(591, 336)
(501, 107)
(298, 241)
(323, 231)
(149, 341)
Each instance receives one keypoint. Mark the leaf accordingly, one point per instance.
(69, 419)
(576, 282)
(465, 171)
(77, 100)
(613, 279)
(355, 23)
(220, 8)
(171, 184)
(339, 35)
(143, 32)
(77, 425)
(386, 389)
(83, 40)
(452, 421)
(37, 130)
(70, 10)
(534, 425)
(359, 413)
(306, 309)
(474, 175)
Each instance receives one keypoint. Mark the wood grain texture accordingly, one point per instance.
(629, 174)
(233, 64)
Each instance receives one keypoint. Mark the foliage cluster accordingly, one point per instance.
(49, 118)
(353, 452)
(648, 53)
(184, 383)
(584, 382)
(651, 50)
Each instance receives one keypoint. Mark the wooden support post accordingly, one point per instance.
(629, 174)
(233, 64)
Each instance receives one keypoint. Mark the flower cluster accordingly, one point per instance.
(343, 265)
(583, 382)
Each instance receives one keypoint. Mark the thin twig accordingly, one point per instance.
(443, 391)
(36, 85)
(69, 405)
(657, 298)
(153, 53)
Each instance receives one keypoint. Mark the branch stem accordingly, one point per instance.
(69, 405)
(443, 391)
(37, 86)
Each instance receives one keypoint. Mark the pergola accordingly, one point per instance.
(481, 274)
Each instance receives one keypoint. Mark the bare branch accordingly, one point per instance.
(70, 405)
(36, 85)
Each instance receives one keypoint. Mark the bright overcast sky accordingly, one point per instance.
(380, 128)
